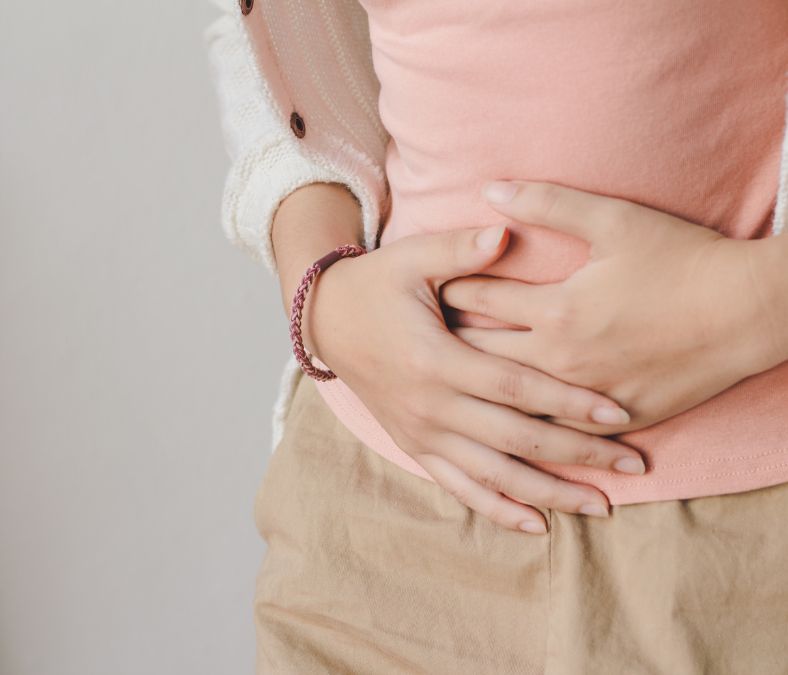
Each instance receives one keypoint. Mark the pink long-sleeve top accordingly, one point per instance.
(676, 105)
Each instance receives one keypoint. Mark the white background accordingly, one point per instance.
(139, 351)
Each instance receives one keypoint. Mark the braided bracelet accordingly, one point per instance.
(297, 308)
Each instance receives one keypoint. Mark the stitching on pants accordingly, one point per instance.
(549, 589)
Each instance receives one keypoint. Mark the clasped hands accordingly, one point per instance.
(664, 315)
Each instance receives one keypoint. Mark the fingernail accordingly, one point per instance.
(500, 191)
(533, 526)
(606, 414)
(489, 238)
(594, 510)
(630, 465)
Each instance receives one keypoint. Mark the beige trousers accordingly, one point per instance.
(370, 569)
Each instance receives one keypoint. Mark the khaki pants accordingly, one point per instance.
(370, 569)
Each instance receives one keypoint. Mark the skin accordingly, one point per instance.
(708, 311)
(471, 405)
(461, 414)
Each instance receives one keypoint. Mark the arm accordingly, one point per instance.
(665, 314)
(298, 243)
(769, 269)
(263, 71)
(259, 83)
(291, 197)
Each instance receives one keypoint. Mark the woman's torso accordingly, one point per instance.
(677, 105)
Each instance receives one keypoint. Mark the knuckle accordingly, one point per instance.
(547, 198)
(412, 438)
(563, 401)
(523, 444)
(567, 362)
(561, 314)
(548, 495)
(493, 477)
(510, 386)
(414, 413)
(461, 493)
(588, 455)
(418, 407)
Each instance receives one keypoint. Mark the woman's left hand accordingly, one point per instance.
(664, 315)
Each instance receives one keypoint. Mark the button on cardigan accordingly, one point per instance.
(285, 56)
(314, 58)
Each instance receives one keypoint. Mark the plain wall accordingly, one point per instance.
(139, 351)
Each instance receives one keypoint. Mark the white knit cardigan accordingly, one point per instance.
(313, 58)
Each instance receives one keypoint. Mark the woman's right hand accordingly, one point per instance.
(467, 417)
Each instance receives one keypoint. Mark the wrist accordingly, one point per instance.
(766, 262)
(322, 309)
(309, 222)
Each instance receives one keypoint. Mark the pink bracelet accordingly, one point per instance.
(297, 308)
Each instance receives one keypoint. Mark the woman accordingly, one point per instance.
(572, 298)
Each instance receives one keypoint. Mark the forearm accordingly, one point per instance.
(309, 223)
(769, 268)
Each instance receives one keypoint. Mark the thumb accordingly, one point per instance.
(447, 255)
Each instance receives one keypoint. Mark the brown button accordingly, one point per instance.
(246, 6)
(297, 124)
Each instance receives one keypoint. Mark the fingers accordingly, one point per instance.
(515, 433)
(445, 255)
(491, 504)
(500, 380)
(586, 215)
(507, 475)
(503, 342)
(514, 302)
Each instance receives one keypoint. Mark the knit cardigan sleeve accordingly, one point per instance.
(310, 58)
(298, 101)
